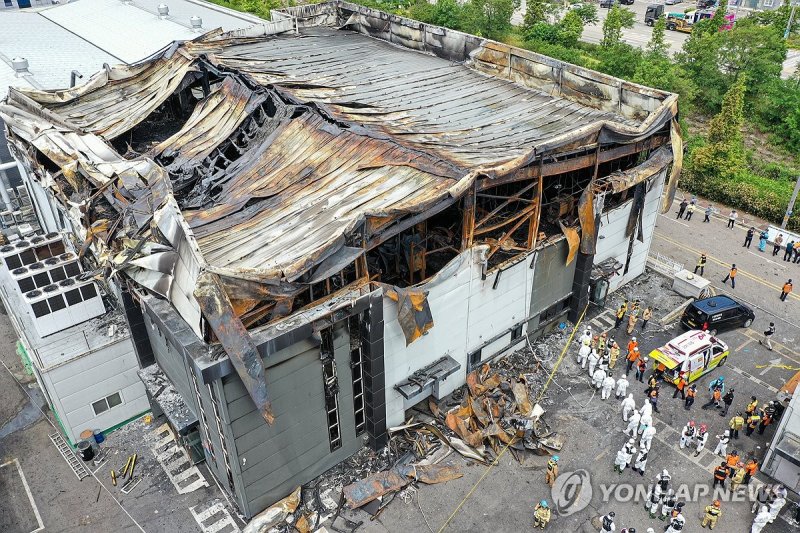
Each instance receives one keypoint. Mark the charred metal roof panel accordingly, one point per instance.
(429, 102)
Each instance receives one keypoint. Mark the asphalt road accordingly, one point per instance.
(761, 275)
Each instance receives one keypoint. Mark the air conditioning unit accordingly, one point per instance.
(27, 251)
(57, 307)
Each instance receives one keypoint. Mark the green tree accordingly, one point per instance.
(618, 18)
(588, 13)
(535, 12)
(778, 112)
(620, 60)
(570, 29)
(657, 45)
(723, 153)
(446, 13)
(489, 18)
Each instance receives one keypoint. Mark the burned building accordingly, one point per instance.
(319, 222)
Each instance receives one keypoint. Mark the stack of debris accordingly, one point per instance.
(498, 412)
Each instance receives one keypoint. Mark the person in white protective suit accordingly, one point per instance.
(761, 520)
(647, 408)
(597, 378)
(702, 438)
(722, 444)
(687, 434)
(633, 424)
(622, 387)
(775, 507)
(652, 502)
(593, 360)
(586, 338)
(647, 438)
(583, 354)
(628, 406)
(625, 456)
(644, 422)
(608, 386)
(641, 462)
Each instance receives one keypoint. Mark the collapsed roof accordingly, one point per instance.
(251, 164)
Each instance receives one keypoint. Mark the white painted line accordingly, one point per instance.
(216, 510)
(675, 220)
(28, 492)
(764, 258)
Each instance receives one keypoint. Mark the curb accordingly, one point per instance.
(672, 315)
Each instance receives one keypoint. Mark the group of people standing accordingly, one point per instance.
(633, 312)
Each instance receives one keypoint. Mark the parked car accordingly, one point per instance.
(705, 4)
(607, 4)
(672, 2)
(717, 313)
(626, 2)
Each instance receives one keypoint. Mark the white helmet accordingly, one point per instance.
(633, 339)
(665, 473)
(630, 395)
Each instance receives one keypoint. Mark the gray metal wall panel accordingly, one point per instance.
(552, 279)
(171, 362)
(296, 448)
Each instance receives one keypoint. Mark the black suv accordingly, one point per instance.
(717, 313)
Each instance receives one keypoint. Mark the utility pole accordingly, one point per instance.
(789, 24)
(791, 204)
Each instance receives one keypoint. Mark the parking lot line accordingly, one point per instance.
(745, 343)
(28, 492)
(784, 350)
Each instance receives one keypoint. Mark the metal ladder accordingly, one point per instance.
(74, 463)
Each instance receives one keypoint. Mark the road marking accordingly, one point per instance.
(222, 517)
(162, 456)
(775, 344)
(745, 343)
(772, 362)
(726, 264)
(674, 220)
(28, 492)
(765, 259)
(753, 378)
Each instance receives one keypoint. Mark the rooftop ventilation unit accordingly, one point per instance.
(196, 22)
(20, 65)
(38, 248)
(60, 306)
(163, 11)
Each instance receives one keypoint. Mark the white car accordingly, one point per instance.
(672, 2)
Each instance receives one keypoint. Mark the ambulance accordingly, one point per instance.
(694, 353)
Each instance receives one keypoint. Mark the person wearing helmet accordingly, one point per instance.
(720, 474)
(737, 478)
(712, 514)
(687, 435)
(677, 523)
(541, 514)
(702, 439)
(662, 481)
(647, 438)
(736, 424)
(583, 354)
(623, 308)
(586, 338)
(607, 525)
(613, 353)
(641, 368)
(602, 343)
(722, 443)
(668, 504)
(691, 392)
(551, 473)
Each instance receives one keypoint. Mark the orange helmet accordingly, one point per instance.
(716, 503)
